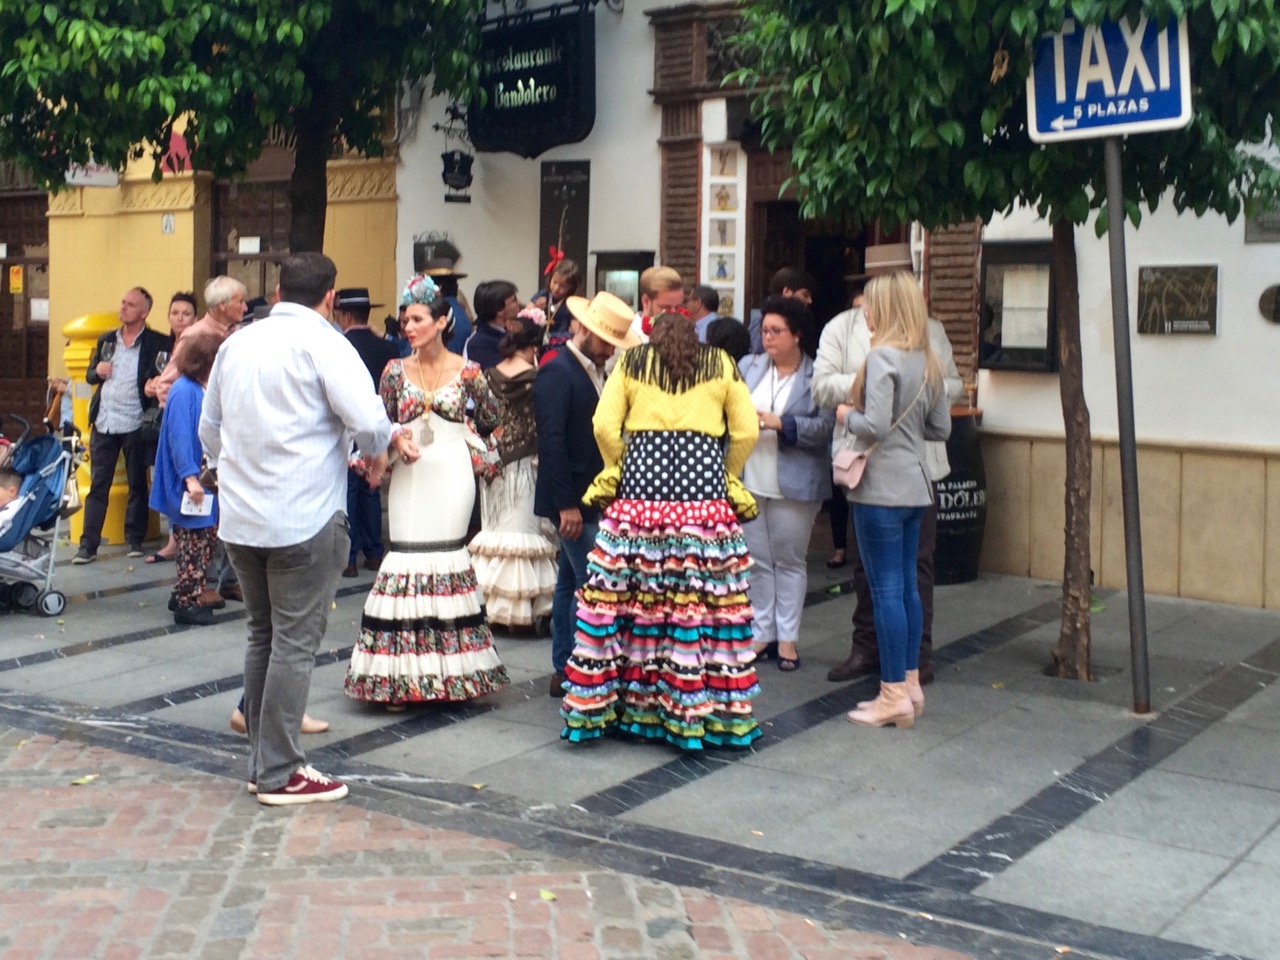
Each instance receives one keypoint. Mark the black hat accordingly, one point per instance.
(353, 297)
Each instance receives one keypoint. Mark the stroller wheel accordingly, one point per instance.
(24, 595)
(6, 594)
(52, 603)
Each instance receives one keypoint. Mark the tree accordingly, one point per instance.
(903, 110)
(108, 79)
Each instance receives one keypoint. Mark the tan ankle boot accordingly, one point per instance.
(892, 706)
(914, 691)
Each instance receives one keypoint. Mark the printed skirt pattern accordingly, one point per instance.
(423, 636)
(663, 637)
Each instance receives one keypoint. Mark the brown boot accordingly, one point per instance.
(211, 599)
(859, 663)
(892, 706)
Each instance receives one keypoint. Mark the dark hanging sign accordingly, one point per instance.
(539, 76)
(565, 212)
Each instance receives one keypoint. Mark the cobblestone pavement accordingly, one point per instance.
(106, 855)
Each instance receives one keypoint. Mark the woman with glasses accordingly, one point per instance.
(788, 473)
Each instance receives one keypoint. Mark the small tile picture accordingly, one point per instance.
(720, 267)
(724, 162)
(723, 197)
(726, 301)
(723, 233)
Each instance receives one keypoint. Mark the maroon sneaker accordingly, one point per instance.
(307, 785)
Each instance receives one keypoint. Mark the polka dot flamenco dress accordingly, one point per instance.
(663, 637)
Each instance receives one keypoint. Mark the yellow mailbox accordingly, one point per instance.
(83, 333)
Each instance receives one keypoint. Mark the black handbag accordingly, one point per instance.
(151, 419)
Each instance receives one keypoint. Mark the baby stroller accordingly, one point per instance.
(47, 464)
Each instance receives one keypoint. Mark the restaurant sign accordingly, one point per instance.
(539, 79)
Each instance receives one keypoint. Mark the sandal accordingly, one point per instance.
(835, 564)
(157, 558)
(788, 664)
(768, 652)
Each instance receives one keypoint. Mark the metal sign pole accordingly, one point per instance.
(1128, 445)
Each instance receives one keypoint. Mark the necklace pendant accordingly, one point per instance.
(426, 434)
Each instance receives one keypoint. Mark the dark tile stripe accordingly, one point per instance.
(680, 771)
(994, 848)
(162, 630)
(210, 688)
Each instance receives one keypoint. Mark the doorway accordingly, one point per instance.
(830, 251)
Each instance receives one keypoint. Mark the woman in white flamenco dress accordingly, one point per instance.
(515, 557)
(424, 636)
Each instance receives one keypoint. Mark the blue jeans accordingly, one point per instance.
(888, 538)
(564, 605)
(364, 511)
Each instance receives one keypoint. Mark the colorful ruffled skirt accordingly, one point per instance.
(663, 639)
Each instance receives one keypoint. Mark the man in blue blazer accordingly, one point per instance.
(565, 394)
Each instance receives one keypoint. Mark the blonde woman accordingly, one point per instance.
(897, 402)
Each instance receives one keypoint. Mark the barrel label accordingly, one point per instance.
(960, 500)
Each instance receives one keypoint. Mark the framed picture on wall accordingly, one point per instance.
(1017, 328)
(1178, 299)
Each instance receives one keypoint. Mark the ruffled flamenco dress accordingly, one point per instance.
(663, 645)
(423, 635)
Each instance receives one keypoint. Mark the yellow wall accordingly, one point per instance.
(1210, 516)
(104, 240)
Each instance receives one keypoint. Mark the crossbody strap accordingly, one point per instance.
(900, 417)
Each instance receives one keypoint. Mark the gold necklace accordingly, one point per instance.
(426, 435)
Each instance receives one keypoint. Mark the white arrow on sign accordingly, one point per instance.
(1061, 123)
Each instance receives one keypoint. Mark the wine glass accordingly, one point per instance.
(162, 360)
(106, 351)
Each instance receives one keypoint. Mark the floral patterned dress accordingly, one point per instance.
(514, 553)
(423, 635)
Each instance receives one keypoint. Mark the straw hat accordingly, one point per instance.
(607, 316)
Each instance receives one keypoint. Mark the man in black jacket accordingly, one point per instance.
(123, 360)
(364, 504)
(565, 394)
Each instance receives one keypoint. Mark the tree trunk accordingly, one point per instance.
(1071, 655)
(308, 187)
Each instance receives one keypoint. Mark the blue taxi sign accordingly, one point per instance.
(1106, 79)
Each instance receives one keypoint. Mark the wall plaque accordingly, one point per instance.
(538, 72)
(1178, 299)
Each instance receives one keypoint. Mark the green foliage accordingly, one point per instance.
(105, 77)
(892, 111)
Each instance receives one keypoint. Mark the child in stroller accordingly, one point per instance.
(30, 521)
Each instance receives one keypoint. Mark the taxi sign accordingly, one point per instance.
(1106, 79)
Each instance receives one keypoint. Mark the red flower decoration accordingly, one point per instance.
(556, 256)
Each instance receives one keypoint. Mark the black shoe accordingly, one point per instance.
(859, 663)
(350, 570)
(195, 616)
(173, 603)
(135, 550)
(557, 684)
(84, 555)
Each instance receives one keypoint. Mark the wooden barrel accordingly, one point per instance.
(962, 502)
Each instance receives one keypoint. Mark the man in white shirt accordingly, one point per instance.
(285, 398)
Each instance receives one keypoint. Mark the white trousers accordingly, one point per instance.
(778, 540)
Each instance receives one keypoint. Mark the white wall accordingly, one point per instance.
(1187, 388)
(498, 231)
